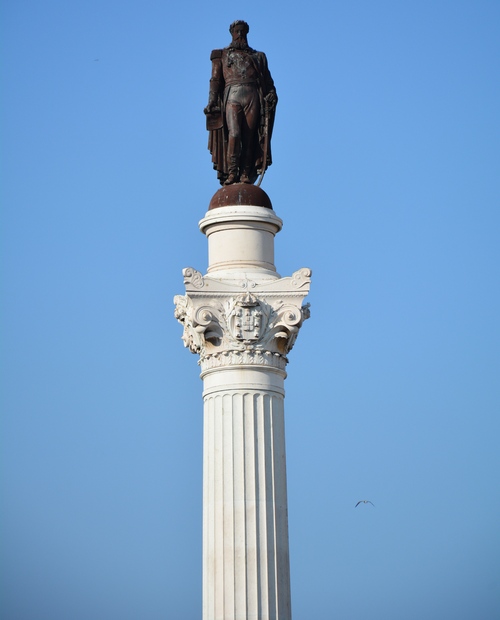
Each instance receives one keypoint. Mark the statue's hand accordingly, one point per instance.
(271, 98)
(211, 107)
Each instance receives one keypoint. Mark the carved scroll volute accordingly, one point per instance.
(192, 278)
(287, 327)
(206, 323)
(302, 278)
(200, 324)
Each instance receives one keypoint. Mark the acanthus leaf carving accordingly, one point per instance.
(233, 328)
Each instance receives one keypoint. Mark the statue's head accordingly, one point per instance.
(239, 30)
(240, 25)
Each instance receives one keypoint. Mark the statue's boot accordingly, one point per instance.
(232, 178)
(233, 159)
(245, 177)
(233, 169)
(247, 165)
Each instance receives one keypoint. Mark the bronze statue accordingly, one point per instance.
(240, 111)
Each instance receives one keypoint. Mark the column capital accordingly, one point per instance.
(242, 322)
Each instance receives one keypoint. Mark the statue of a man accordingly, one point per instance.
(240, 110)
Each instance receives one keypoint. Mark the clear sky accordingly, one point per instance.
(387, 176)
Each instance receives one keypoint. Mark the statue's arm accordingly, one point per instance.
(216, 82)
(268, 82)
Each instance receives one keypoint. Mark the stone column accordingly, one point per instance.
(242, 319)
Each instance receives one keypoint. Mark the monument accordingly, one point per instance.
(240, 110)
(242, 319)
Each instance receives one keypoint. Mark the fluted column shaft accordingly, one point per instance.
(246, 574)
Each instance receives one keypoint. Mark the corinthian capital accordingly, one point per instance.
(231, 322)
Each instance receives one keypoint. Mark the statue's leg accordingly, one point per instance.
(248, 134)
(234, 117)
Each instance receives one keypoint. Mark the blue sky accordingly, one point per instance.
(386, 174)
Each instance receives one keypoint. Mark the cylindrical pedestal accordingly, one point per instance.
(246, 571)
(241, 241)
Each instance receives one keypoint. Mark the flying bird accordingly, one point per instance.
(364, 501)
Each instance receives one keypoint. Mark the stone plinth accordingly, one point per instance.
(242, 319)
(241, 241)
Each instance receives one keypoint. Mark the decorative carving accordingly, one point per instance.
(226, 327)
(247, 318)
(193, 277)
(195, 282)
(302, 277)
(240, 358)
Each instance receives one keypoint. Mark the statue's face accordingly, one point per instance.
(239, 32)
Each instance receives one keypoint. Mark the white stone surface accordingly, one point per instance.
(242, 319)
(246, 569)
(241, 239)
